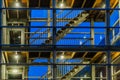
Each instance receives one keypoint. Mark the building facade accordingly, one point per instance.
(59, 39)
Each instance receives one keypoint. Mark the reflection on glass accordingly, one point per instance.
(15, 37)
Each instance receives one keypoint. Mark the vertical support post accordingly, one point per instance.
(54, 40)
(3, 67)
(3, 38)
(93, 72)
(92, 43)
(25, 72)
(48, 24)
(49, 68)
(0, 39)
(112, 72)
(49, 34)
(92, 31)
(101, 75)
(108, 39)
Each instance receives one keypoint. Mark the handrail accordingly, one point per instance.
(49, 22)
(75, 21)
(73, 71)
(60, 72)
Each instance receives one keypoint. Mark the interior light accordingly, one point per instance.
(61, 5)
(16, 56)
(62, 57)
(17, 4)
(15, 71)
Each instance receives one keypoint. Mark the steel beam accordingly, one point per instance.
(60, 48)
(54, 40)
(93, 72)
(58, 20)
(92, 31)
(48, 24)
(109, 77)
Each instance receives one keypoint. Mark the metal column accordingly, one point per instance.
(49, 34)
(48, 24)
(93, 72)
(54, 40)
(0, 38)
(92, 31)
(92, 43)
(108, 40)
(112, 72)
(3, 67)
(3, 40)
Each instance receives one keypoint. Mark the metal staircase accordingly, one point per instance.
(73, 72)
(75, 69)
(60, 34)
(68, 27)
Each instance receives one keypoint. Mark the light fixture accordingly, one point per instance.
(17, 4)
(16, 56)
(61, 4)
(15, 71)
(62, 56)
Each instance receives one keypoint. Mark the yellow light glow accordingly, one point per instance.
(16, 56)
(61, 5)
(62, 57)
(17, 4)
(15, 71)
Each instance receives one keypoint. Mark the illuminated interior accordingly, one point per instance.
(60, 39)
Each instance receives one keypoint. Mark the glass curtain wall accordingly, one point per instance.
(59, 39)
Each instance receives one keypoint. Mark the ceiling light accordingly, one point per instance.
(15, 71)
(61, 5)
(62, 57)
(17, 4)
(16, 56)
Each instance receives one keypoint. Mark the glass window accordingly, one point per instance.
(15, 37)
